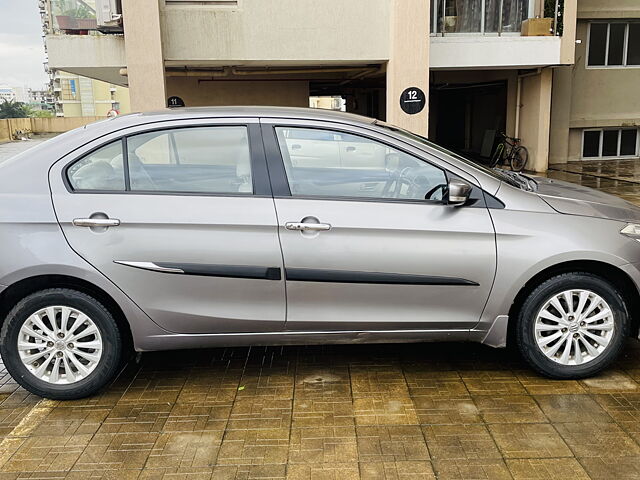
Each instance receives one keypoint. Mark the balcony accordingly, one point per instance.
(494, 34)
(75, 44)
(484, 17)
(72, 17)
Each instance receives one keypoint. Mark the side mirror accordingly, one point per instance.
(459, 192)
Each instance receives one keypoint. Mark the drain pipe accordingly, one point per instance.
(518, 94)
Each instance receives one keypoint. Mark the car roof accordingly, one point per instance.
(244, 111)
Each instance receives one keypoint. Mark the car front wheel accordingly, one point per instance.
(572, 326)
(60, 344)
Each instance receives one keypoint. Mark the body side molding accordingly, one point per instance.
(204, 270)
(297, 274)
(345, 276)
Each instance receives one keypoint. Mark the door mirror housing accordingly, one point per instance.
(458, 192)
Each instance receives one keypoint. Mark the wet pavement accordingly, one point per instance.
(421, 411)
(448, 411)
(617, 177)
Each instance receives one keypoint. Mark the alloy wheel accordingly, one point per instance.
(574, 327)
(60, 345)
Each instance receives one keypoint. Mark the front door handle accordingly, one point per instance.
(96, 222)
(307, 227)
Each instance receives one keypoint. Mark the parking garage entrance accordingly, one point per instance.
(363, 94)
(466, 117)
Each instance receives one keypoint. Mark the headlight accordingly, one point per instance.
(632, 230)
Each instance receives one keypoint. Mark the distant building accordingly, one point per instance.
(77, 96)
(41, 99)
(7, 93)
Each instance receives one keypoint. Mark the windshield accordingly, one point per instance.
(512, 178)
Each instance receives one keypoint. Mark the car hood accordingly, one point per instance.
(573, 199)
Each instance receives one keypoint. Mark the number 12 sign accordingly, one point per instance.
(413, 100)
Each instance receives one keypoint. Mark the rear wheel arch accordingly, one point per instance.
(606, 271)
(25, 287)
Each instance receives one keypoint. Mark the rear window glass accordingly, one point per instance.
(191, 160)
(100, 170)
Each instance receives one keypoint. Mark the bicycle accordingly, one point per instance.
(509, 150)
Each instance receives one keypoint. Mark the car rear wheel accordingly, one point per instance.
(61, 344)
(572, 326)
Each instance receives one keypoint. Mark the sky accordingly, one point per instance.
(21, 47)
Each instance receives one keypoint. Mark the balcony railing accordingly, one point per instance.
(73, 17)
(486, 17)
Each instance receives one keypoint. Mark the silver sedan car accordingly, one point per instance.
(261, 226)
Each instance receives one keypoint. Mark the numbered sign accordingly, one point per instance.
(413, 100)
(175, 102)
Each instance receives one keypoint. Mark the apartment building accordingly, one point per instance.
(78, 96)
(7, 93)
(472, 67)
(596, 104)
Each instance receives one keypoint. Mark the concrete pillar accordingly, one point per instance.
(145, 63)
(560, 114)
(512, 94)
(535, 118)
(408, 61)
(569, 20)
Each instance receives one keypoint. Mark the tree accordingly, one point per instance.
(13, 109)
(42, 114)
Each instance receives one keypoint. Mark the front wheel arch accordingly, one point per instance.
(611, 273)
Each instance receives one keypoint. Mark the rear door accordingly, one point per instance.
(363, 248)
(180, 217)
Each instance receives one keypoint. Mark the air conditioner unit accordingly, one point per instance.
(109, 16)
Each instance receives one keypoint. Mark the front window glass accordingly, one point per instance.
(335, 164)
(191, 160)
(100, 170)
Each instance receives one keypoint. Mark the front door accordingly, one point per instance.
(368, 243)
(180, 217)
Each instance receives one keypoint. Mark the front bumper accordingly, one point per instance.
(633, 270)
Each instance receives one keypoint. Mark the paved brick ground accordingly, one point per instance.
(446, 411)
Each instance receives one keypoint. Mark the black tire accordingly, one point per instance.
(106, 367)
(519, 158)
(496, 158)
(525, 334)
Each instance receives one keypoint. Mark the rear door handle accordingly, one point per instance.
(96, 222)
(307, 227)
